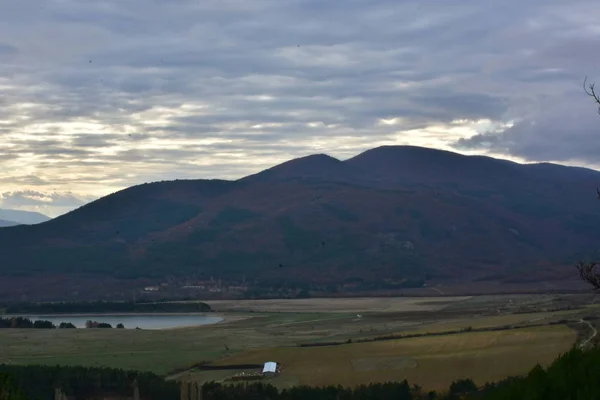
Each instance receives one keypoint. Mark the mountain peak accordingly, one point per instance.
(319, 166)
(426, 165)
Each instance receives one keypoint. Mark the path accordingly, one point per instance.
(593, 334)
(438, 290)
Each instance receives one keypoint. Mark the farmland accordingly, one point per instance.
(518, 336)
(432, 362)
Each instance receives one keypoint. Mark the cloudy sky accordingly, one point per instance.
(98, 95)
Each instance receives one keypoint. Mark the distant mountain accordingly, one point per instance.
(318, 166)
(390, 215)
(4, 223)
(23, 217)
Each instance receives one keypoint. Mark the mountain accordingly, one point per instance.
(23, 217)
(389, 216)
(318, 166)
(5, 223)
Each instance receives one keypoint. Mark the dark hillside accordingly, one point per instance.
(387, 216)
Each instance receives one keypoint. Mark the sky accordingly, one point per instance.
(98, 95)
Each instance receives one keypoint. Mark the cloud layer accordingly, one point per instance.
(97, 96)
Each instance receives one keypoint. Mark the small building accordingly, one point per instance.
(270, 368)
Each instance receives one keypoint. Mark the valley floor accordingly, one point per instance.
(482, 337)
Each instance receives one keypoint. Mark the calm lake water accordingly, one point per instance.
(132, 321)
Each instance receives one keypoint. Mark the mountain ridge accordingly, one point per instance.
(5, 223)
(386, 216)
(23, 217)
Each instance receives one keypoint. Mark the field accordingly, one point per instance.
(432, 362)
(358, 304)
(273, 330)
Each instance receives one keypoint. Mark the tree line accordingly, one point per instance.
(26, 323)
(96, 324)
(39, 382)
(9, 389)
(105, 307)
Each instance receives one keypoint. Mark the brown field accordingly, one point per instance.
(326, 305)
(432, 362)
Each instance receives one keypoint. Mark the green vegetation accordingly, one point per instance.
(40, 382)
(9, 389)
(26, 323)
(573, 376)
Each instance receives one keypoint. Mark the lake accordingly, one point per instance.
(132, 321)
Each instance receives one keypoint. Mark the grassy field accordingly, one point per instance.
(275, 328)
(159, 351)
(432, 362)
(358, 304)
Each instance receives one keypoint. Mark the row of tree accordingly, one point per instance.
(105, 307)
(96, 324)
(40, 382)
(26, 323)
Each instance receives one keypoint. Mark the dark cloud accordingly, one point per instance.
(566, 130)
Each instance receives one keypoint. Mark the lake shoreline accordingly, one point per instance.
(111, 314)
(148, 321)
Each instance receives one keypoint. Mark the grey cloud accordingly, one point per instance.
(34, 197)
(559, 131)
(293, 63)
(7, 50)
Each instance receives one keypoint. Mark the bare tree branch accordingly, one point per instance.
(588, 273)
(590, 91)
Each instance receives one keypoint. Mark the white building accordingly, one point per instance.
(270, 368)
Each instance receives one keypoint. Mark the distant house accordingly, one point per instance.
(270, 368)
(151, 288)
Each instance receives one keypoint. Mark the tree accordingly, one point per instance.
(589, 274)
(40, 324)
(587, 271)
(590, 91)
(120, 326)
(9, 390)
(461, 388)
